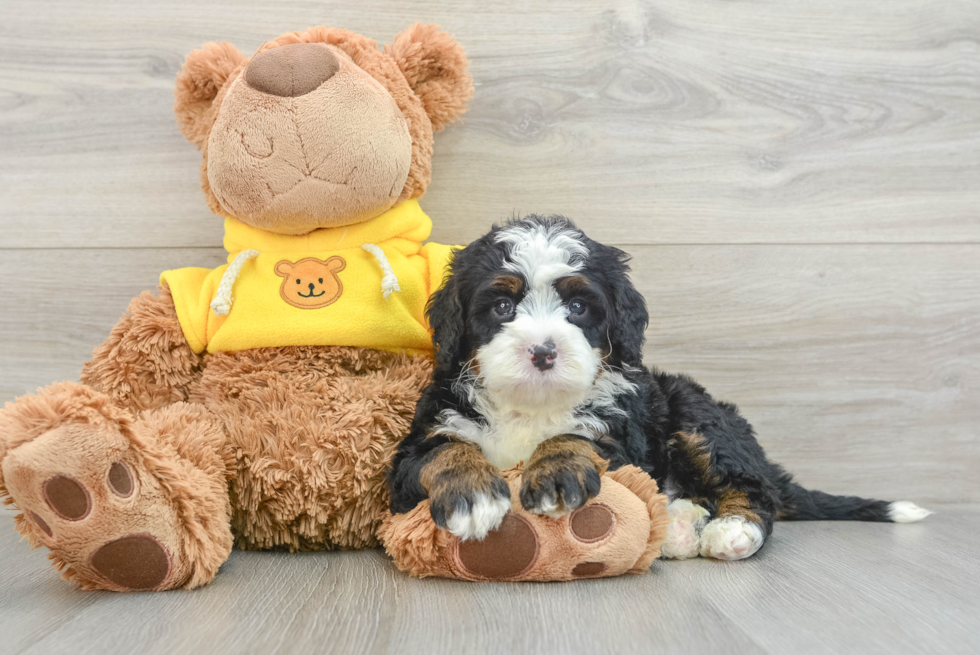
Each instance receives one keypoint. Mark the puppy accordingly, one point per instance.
(539, 340)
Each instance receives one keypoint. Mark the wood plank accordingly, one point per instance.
(60, 304)
(677, 122)
(859, 365)
(815, 588)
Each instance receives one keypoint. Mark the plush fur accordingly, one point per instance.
(175, 456)
(539, 334)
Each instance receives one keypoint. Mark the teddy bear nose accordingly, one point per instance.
(293, 70)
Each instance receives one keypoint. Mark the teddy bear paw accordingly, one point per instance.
(88, 499)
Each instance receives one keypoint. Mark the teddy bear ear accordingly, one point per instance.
(435, 66)
(200, 79)
(284, 268)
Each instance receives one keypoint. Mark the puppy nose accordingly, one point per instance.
(290, 71)
(543, 356)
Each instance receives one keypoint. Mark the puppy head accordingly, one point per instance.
(533, 310)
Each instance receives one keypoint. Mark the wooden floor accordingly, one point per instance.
(797, 182)
(815, 588)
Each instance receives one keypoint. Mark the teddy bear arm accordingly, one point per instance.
(146, 362)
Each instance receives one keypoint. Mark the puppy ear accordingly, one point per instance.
(446, 312)
(435, 66)
(204, 72)
(627, 331)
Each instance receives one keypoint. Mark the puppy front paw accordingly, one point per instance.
(559, 484)
(470, 509)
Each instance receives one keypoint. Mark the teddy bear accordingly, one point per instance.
(259, 404)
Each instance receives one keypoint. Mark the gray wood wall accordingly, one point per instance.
(798, 181)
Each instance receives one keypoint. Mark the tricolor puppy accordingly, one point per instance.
(539, 340)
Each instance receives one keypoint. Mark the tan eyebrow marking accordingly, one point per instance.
(573, 283)
(509, 283)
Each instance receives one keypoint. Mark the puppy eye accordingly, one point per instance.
(576, 307)
(503, 307)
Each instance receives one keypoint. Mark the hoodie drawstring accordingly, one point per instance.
(221, 304)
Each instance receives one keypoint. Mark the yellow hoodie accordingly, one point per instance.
(363, 285)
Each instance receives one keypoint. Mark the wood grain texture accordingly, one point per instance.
(815, 588)
(858, 365)
(671, 122)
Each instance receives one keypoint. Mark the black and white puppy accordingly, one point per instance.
(539, 341)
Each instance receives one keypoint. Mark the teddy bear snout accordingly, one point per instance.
(293, 70)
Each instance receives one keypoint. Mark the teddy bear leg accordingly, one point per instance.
(123, 503)
(146, 362)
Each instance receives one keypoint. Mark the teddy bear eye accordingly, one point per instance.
(297, 281)
(321, 280)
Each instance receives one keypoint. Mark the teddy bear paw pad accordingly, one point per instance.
(134, 562)
(67, 498)
(588, 569)
(504, 553)
(592, 523)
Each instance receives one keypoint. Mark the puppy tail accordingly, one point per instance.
(801, 504)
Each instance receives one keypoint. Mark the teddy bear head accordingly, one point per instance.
(311, 283)
(319, 128)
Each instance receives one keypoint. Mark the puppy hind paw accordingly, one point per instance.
(731, 538)
(684, 531)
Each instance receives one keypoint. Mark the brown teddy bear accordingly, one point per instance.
(258, 403)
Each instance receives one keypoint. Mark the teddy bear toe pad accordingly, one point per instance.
(67, 498)
(83, 489)
(592, 523)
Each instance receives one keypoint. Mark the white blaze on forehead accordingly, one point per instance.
(520, 406)
(542, 254)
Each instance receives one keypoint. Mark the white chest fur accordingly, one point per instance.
(512, 438)
(508, 436)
